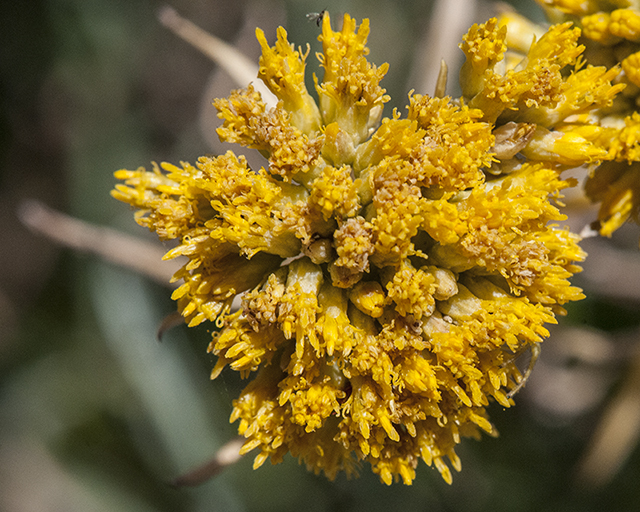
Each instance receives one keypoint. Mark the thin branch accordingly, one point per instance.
(113, 246)
(450, 19)
(227, 455)
(616, 436)
(239, 67)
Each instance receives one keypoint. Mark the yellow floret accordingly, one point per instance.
(585, 90)
(631, 68)
(596, 28)
(567, 148)
(484, 46)
(411, 290)
(617, 187)
(625, 144)
(353, 243)
(368, 297)
(625, 23)
(350, 94)
(246, 121)
(335, 193)
(282, 70)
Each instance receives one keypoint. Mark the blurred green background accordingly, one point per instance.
(97, 415)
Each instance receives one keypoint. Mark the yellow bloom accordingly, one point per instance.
(611, 35)
(390, 270)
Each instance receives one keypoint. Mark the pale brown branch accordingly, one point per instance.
(118, 248)
(227, 455)
(449, 21)
(239, 67)
(616, 436)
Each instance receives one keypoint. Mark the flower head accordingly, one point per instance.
(390, 270)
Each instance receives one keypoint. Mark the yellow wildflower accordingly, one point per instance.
(390, 270)
(611, 35)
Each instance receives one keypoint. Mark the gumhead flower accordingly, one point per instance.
(611, 36)
(387, 280)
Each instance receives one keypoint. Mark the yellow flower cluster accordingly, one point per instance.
(390, 270)
(611, 36)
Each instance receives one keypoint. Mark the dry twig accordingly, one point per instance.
(124, 250)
